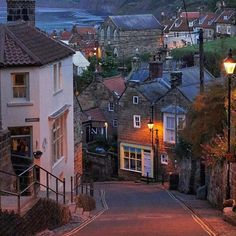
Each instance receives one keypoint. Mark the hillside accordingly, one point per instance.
(130, 6)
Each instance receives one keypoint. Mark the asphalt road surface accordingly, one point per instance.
(142, 210)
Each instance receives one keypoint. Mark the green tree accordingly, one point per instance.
(206, 120)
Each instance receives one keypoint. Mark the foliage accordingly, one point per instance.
(206, 119)
(214, 53)
(109, 65)
(86, 202)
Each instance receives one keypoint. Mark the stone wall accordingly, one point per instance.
(78, 159)
(7, 181)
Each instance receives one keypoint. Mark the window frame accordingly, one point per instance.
(167, 137)
(25, 86)
(115, 123)
(57, 77)
(111, 106)
(58, 138)
(137, 100)
(137, 121)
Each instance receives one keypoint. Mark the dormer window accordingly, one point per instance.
(225, 17)
(190, 24)
(111, 106)
(135, 100)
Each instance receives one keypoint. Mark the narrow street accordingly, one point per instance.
(136, 209)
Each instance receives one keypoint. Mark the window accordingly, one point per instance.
(169, 126)
(164, 159)
(225, 17)
(115, 34)
(228, 29)
(20, 143)
(58, 138)
(114, 123)
(108, 32)
(111, 106)
(132, 158)
(137, 121)
(57, 76)
(135, 99)
(102, 34)
(20, 85)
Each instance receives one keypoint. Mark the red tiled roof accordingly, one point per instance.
(86, 30)
(115, 84)
(206, 20)
(93, 114)
(181, 25)
(24, 45)
(190, 15)
(225, 17)
(66, 35)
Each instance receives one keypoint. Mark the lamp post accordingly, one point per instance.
(229, 64)
(155, 148)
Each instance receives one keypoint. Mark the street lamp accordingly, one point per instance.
(155, 148)
(229, 64)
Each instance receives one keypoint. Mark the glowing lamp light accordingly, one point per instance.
(229, 63)
(150, 125)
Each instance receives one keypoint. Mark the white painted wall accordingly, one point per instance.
(42, 103)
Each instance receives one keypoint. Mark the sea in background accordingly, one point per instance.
(49, 19)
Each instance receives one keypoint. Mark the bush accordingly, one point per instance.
(86, 202)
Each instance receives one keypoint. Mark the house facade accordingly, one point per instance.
(127, 35)
(37, 99)
(162, 99)
(99, 101)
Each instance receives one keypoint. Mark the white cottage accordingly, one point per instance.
(36, 82)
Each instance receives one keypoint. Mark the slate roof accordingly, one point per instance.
(152, 90)
(206, 21)
(139, 75)
(115, 84)
(136, 22)
(190, 86)
(24, 45)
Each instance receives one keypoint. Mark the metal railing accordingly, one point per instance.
(81, 184)
(33, 185)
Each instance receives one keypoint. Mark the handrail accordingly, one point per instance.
(18, 193)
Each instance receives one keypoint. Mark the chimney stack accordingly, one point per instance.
(21, 10)
(175, 78)
(155, 68)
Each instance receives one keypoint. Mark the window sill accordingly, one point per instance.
(57, 92)
(136, 171)
(20, 104)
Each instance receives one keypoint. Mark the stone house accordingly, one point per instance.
(37, 99)
(162, 98)
(99, 102)
(127, 35)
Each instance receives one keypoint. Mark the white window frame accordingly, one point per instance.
(22, 88)
(102, 34)
(137, 121)
(111, 106)
(57, 77)
(164, 159)
(130, 154)
(115, 123)
(135, 99)
(228, 29)
(58, 138)
(169, 132)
